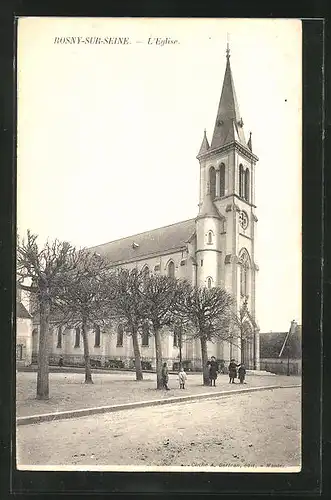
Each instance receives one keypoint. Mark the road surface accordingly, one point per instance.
(258, 429)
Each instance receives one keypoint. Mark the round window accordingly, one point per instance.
(243, 219)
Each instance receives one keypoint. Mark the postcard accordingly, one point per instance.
(159, 244)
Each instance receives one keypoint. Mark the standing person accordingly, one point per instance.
(182, 378)
(242, 373)
(213, 369)
(232, 371)
(165, 376)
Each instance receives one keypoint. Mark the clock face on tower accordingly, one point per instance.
(243, 219)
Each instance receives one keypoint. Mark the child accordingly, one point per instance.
(242, 373)
(213, 369)
(182, 378)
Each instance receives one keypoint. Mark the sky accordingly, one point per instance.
(108, 134)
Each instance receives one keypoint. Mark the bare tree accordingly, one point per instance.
(84, 298)
(129, 307)
(209, 312)
(184, 332)
(44, 269)
(161, 295)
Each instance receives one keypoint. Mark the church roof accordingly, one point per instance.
(156, 241)
(229, 125)
(21, 311)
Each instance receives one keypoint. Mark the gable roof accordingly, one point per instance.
(272, 342)
(21, 311)
(149, 243)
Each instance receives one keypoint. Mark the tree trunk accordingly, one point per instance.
(88, 373)
(242, 350)
(43, 371)
(180, 350)
(137, 358)
(204, 357)
(158, 356)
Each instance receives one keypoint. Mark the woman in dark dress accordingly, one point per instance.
(232, 371)
(213, 369)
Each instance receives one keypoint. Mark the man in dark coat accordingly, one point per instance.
(213, 369)
(232, 371)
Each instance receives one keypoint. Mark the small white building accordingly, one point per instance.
(23, 335)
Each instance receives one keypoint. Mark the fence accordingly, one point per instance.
(281, 366)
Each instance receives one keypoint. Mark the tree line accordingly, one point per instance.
(78, 288)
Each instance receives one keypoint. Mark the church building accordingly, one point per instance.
(214, 248)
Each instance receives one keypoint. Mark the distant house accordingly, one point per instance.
(23, 335)
(271, 344)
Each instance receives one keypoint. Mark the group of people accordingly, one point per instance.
(213, 371)
(232, 368)
(165, 377)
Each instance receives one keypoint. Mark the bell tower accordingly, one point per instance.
(227, 181)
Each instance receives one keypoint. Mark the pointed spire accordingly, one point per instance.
(229, 123)
(249, 144)
(204, 145)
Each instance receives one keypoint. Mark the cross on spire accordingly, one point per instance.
(227, 46)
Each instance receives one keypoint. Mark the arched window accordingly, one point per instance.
(210, 237)
(244, 262)
(145, 336)
(241, 180)
(77, 337)
(246, 188)
(120, 335)
(97, 336)
(34, 340)
(171, 269)
(59, 337)
(222, 179)
(212, 182)
(209, 282)
(247, 330)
